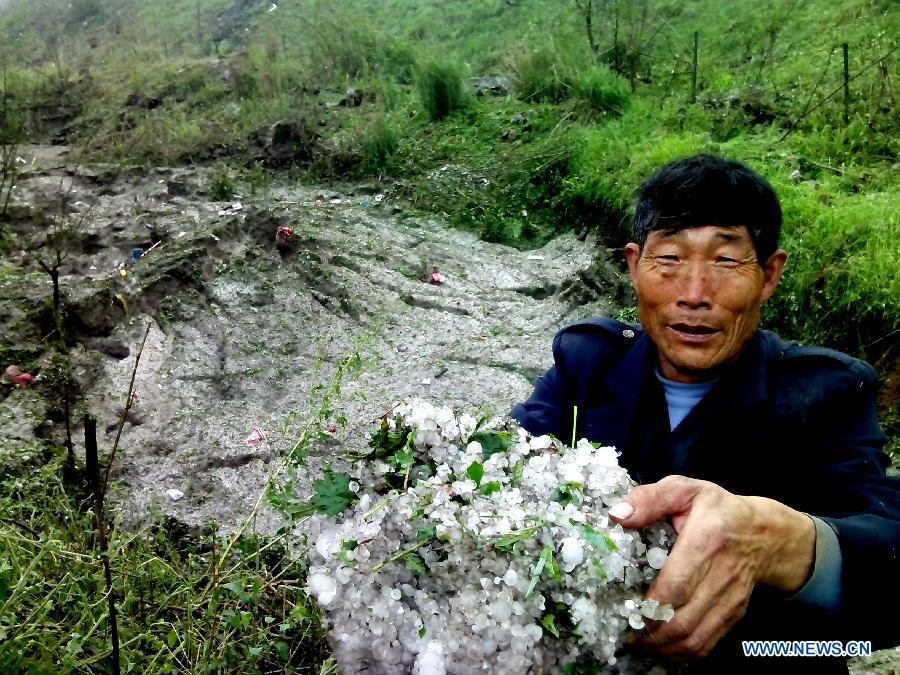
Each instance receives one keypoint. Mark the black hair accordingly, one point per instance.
(709, 190)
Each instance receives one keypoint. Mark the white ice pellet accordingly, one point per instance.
(656, 557)
(572, 553)
(322, 587)
(431, 660)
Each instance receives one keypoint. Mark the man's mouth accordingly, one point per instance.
(694, 332)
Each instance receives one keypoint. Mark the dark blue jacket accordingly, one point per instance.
(792, 423)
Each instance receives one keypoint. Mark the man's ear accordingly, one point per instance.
(772, 273)
(632, 255)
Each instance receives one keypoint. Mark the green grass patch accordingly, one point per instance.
(440, 88)
(178, 610)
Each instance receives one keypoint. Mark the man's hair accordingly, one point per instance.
(709, 190)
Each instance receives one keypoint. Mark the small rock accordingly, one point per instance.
(174, 494)
(795, 176)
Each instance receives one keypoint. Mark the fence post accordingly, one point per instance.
(846, 85)
(694, 68)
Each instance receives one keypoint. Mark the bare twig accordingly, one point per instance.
(21, 526)
(112, 455)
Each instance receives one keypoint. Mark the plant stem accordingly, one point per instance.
(574, 423)
(399, 555)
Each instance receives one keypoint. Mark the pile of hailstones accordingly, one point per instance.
(501, 565)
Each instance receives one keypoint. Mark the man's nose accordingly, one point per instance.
(695, 288)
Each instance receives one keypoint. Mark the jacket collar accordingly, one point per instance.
(746, 382)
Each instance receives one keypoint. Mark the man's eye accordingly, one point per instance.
(667, 258)
(727, 262)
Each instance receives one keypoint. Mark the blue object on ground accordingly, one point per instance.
(136, 253)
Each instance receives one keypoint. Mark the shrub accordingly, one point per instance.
(222, 186)
(379, 143)
(543, 75)
(601, 89)
(440, 88)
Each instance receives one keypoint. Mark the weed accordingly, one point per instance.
(601, 89)
(440, 88)
(379, 143)
(222, 187)
(543, 74)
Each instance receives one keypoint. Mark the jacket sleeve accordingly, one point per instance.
(862, 505)
(549, 408)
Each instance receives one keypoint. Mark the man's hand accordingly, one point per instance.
(726, 545)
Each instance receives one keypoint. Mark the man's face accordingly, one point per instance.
(699, 294)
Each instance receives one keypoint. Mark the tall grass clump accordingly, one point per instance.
(552, 75)
(440, 87)
(379, 144)
(544, 75)
(601, 89)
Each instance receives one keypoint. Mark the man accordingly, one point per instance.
(765, 455)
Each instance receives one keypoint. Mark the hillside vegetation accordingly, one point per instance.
(587, 98)
(585, 121)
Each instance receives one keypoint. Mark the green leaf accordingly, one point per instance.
(546, 561)
(255, 651)
(551, 567)
(238, 590)
(349, 545)
(597, 566)
(549, 622)
(478, 425)
(386, 442)
(490, 488)
(282, 649)
(332, 494)
(414, 563)
(599, 540)
(567, 493)
(517, 472)
(425, 533)
(268, 619)
(422, 631)
(506, 541)
(171, 638)
(475, 472)
(493, 442)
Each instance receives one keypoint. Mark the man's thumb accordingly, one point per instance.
(647, 504)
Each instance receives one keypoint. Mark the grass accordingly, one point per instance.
(178, 611)
(440, 88)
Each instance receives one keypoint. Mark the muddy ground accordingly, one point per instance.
(241, 330)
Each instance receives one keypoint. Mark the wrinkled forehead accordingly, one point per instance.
(701, 235)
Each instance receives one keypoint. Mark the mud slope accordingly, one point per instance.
(241, 332)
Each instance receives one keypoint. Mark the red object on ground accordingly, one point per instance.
(256, 437)
(283, 233)
(332, 428)
(437, 277)
(14, 375)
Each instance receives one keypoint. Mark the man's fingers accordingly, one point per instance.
(707, 604)
(687, 565)
(647, 504)
(696, 629)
